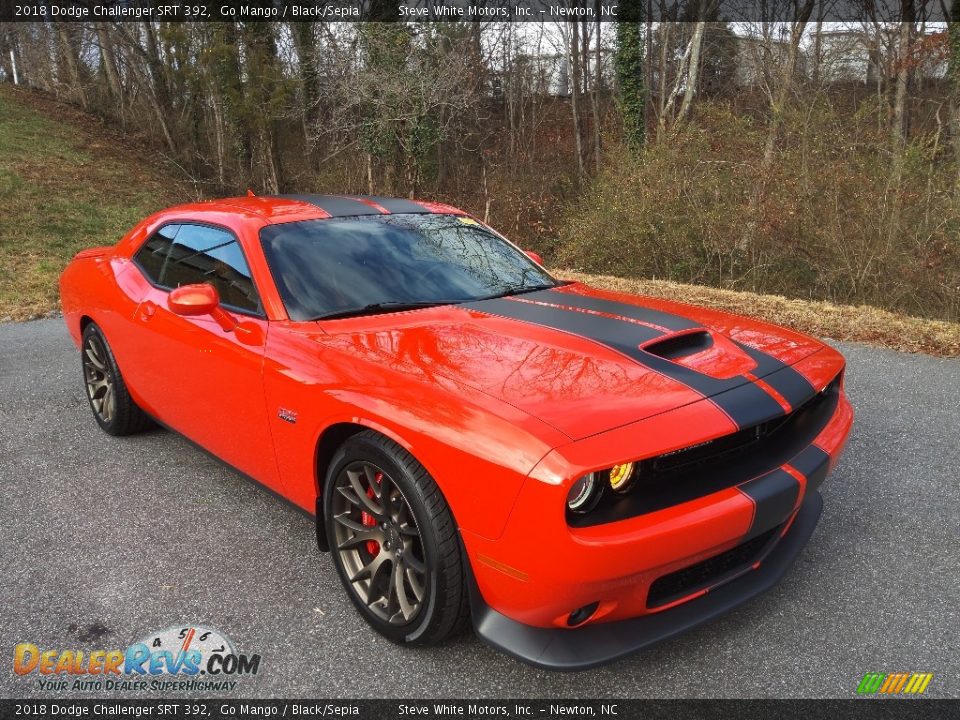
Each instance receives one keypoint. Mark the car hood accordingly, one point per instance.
(584, 360)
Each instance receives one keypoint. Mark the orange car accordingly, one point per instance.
(583, 472)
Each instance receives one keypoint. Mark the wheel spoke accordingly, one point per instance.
(370, 506)
(348, 522)
(414, 564)
(415, 583)
(350, 495)
(361, 536)
(369, 571)
(381, 489)
(108, 404)
(94, 358)
(400, 591)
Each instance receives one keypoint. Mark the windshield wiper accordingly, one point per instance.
(381, 307)
(517, 290)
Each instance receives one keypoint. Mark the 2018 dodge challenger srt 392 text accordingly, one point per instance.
(582, 472)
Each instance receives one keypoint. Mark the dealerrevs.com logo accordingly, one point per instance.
(176, 659)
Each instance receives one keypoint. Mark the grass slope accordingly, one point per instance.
(67, 182)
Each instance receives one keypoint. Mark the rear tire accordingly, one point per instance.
(113, 408)
(394, 542)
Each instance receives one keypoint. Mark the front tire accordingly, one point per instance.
(393, 542)
(113, 408)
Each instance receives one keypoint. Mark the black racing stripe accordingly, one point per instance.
(794, 387)
(634, 312)
(336, 206)
(623, 336)
(395, 205)
(788, 382)
(745, 403)
(814, 463)
(748, 405)
(774, 495)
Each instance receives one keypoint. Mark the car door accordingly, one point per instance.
(193, 375)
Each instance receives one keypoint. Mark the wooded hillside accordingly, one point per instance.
(797, 156)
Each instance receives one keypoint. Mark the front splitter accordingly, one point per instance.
(593, 645)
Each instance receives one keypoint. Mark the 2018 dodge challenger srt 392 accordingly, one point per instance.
(582, 472)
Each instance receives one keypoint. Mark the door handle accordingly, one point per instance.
(147, 310)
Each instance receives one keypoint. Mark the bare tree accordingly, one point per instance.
(575, 78)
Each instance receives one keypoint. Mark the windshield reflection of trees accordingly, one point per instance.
(340, 264)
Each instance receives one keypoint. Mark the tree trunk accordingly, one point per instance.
(662, 101)
(597, 77)
(575, 91)
(306, 45)
(786, 85)
(693, 74)
(817, 45)
(901, 106)
(6, 54)
(954, 79)
(777, 107)
(901, 103)
(228, 84)
(109, 60)
(686, 72)
(648, 68)
(629, 67)
(70, 58)
(261, 71)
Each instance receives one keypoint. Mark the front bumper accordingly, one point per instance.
(596, 644)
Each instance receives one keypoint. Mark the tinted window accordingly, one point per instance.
(155, 250)
(327, 266)
(201, 254)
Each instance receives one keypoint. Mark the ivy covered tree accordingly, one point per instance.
(953, 73)
(628, 66)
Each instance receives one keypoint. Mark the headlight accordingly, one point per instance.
(621, 477)
(583, 493)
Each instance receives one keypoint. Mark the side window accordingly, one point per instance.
(154, 252)
(201, 254)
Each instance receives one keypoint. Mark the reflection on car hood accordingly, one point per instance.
(585, 360)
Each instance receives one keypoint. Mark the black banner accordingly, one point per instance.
(462, 10)
(854, 709)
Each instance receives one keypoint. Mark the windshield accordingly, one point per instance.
(374, 263)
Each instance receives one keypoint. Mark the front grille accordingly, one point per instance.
(709, 572)
(741, 442)
(692, 472)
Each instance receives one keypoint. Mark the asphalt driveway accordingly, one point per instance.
(104, 540)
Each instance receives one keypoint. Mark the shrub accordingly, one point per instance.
(830, 220)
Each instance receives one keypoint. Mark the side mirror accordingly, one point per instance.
(200, 299)
(193, 300)
(534, 256)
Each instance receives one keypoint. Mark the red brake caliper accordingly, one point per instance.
(368, 520)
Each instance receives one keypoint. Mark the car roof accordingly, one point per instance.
(286, 208)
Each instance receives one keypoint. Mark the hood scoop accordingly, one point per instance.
(679, 345)
(710, 353)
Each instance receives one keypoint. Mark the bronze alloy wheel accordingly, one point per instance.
(379, 543)
(99, 378)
